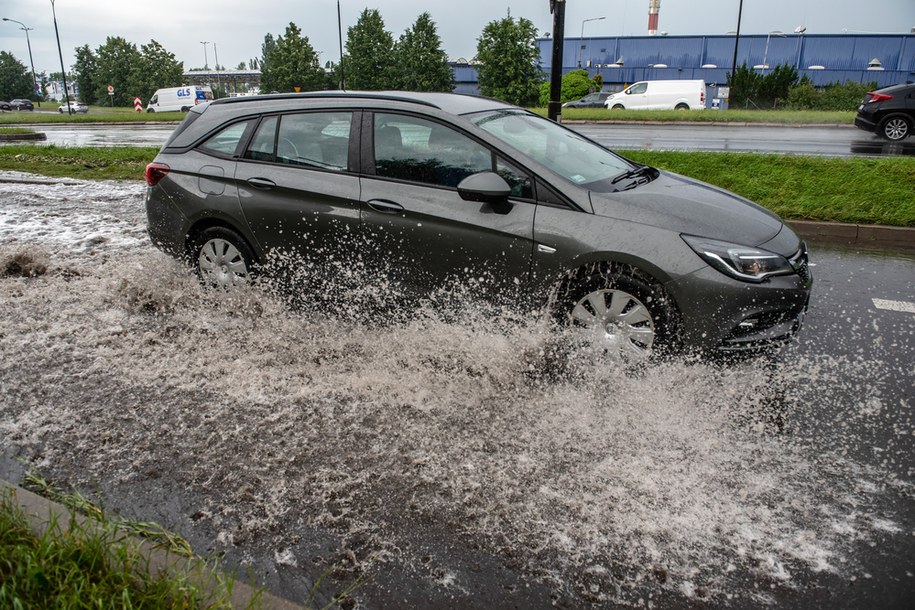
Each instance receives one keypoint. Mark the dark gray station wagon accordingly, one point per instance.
(436, 188)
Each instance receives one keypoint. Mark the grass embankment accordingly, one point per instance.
(96, 114)
(15, 131)
(778, 117)
(854, 190)
(88, 564)
(90, 163)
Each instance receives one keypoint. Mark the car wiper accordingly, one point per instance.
(642, 170)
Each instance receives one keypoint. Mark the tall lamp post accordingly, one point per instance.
(206, 61)
(582, 36)
(216, 55)
(31, 63)
(63, 71)
(765, 63)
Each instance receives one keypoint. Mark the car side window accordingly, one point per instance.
(225, 141)
(264, 142)
(418, 150)
(521, 184)
(315, 139)
(639, 88)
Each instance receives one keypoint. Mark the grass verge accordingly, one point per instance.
(15, 131)
(90, 163)
(854, 190)
(88, 563)
(96, 114)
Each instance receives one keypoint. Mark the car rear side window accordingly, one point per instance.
(417, 150)
(225, 142)
(263, 145)
(315, 139)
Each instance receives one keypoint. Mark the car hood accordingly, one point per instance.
(689, 206)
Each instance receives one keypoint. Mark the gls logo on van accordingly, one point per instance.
(184, 92)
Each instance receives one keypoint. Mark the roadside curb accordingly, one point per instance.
(23, 137)
(838, 233)
(41, 513)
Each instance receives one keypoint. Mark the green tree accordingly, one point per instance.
(117, 60)
(575, 85)
(369, 56)
(509, 61)
(292, 63)
(420, 64)
(15, 78)
(84, 72)
(267, 47)
(157, 69)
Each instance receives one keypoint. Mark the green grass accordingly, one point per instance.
(15, 131)
(86, 565)
(780, 117)
(854, 190)
(865, 191)
(116, 163)
(96, 114)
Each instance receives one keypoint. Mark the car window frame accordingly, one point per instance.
(240, 145)
(352, 159)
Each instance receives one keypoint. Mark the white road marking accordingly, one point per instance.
(903, 306)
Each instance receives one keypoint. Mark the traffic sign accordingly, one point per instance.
(138, 104)
(110, 89)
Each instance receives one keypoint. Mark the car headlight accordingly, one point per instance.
(740, 262)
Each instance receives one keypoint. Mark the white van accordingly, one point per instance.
(660, 95)
(176, 99)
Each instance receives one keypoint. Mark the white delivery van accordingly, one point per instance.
(660, 95)
(176, 99)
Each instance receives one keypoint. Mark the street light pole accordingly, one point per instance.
(63, 71)
(206, 61)
(581, 37)
(736, 42)
(216, 55)
(31, 63)
(766, 52)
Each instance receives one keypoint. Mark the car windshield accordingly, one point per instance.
(576, 159)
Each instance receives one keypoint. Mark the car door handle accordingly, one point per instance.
(261, 183)
(384, 206)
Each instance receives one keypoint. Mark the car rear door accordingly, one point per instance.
(419, 231)
(297, 191)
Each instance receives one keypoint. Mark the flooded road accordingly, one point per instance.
(834, 141)
(452, 458)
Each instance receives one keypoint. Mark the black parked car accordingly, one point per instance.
(22, 105)
(434, 189)
(888, 112)
(5, 106)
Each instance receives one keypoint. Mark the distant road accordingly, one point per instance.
(828, 141)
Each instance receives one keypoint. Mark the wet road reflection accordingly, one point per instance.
(837, 141)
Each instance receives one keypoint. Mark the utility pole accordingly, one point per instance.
(63, 71)
(554, 109)
(31, 63)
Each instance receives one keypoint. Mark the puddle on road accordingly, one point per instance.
(605, 482)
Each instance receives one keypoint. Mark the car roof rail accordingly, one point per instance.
(327, 95)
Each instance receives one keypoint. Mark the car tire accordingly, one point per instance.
(896, 127)
(621, 311)
(618, 107)
(185, 109)
(150, 110)
(681, 107)
(222, 258)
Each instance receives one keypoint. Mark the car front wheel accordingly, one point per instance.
(895, 128)
(222, 258)
(620, 313)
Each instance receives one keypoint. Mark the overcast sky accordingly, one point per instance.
(236, 28)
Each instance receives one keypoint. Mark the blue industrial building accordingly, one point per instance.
(826, 58)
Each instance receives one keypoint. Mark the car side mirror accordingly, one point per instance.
(485, 187)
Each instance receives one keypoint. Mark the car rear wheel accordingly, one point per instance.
(895, 128)
(620, 313)
(681, 107)
(618, 107)
(223, 258)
